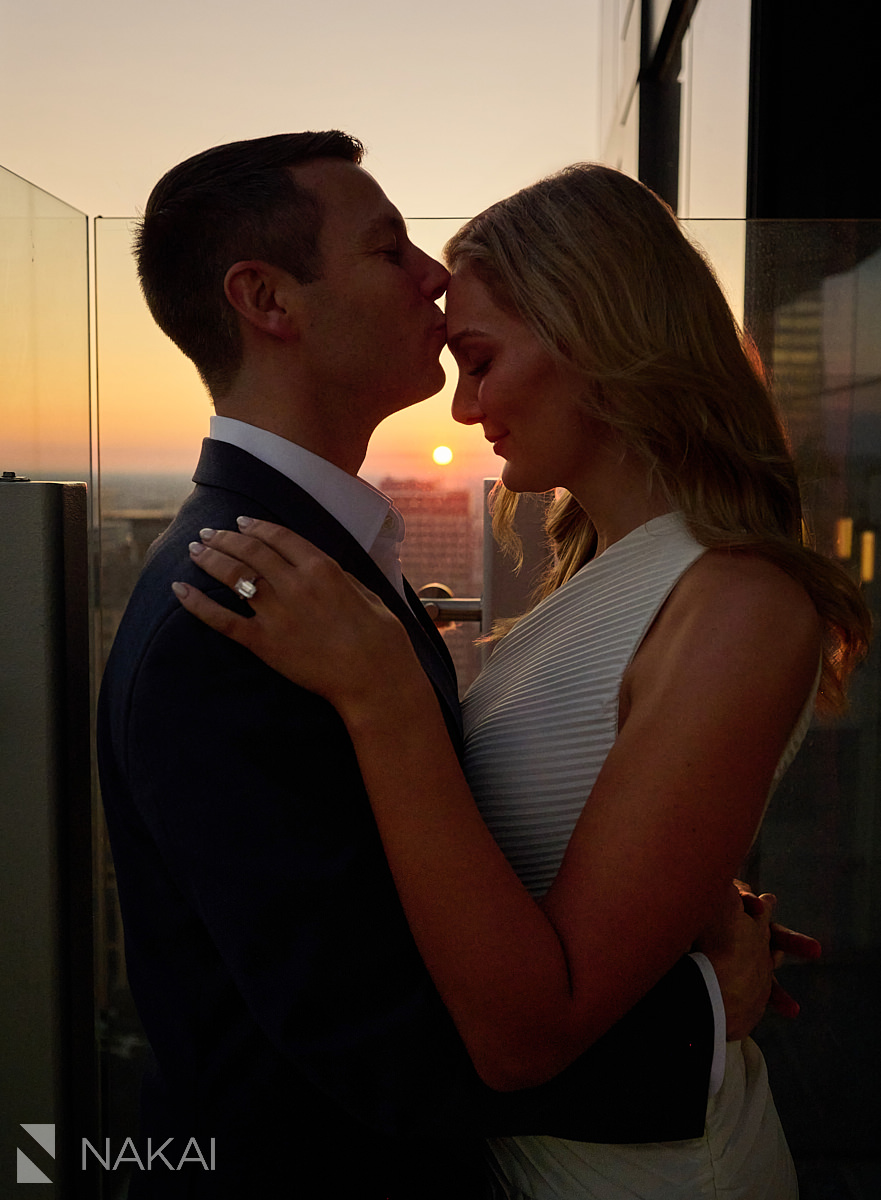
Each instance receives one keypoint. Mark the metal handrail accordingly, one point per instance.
(449, 609)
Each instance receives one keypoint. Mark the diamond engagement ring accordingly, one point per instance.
(246, 588)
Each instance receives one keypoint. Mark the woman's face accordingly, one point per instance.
(526, 401)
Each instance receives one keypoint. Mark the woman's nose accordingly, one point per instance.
(466, 406)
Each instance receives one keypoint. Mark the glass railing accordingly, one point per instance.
(44, 334)
(155, 411)
(810, 294)
(812, 300)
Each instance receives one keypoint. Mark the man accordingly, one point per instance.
(290, 1016)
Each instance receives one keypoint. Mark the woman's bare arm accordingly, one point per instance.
(709, 702)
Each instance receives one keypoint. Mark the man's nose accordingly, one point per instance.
(435, 278)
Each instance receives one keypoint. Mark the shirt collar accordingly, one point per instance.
(358, 506)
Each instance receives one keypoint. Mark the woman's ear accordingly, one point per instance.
(262, 295)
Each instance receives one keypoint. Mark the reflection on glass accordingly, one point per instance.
(44, 334)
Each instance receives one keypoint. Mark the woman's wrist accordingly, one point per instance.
(398, 692)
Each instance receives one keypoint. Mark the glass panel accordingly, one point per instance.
(44, 334)
(442, 502)
(155, 411)
(49, 1053)
(810, 294)
(153, 415)
(714, 121)
(813, 304)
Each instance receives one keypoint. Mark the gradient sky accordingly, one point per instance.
(458, 103)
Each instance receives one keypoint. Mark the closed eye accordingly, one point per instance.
(480, 369)
(392, 250)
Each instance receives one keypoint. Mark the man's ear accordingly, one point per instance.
(263, 295)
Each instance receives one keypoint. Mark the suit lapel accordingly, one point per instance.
(268, 494)
(416, 606)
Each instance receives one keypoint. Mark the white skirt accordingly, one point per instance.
(742, 1156)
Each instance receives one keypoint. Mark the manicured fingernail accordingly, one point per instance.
(244, 522)
(180, 590)
(207, 534)
(196, 549)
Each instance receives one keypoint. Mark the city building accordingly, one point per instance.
(444, 545)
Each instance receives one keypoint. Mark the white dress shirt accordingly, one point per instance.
(369, 516)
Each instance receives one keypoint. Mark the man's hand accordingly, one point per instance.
(783, 941)
(738, 944)
(745, 947)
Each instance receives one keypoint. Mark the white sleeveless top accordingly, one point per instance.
(543, 714)
(539, 722)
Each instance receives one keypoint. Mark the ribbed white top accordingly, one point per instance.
(543, 714)
(539, 722)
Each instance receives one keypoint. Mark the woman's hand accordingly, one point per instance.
(313, 622)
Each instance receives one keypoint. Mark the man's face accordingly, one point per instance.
(373, 331)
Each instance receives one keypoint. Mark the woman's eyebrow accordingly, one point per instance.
(462, 336)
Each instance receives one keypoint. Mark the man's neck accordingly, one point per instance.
(299, 424)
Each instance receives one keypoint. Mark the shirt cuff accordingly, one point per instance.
(717, 1070)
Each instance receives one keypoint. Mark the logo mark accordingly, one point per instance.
(27, 1171)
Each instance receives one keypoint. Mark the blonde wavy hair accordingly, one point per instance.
(597, 267)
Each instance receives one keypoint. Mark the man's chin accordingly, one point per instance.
(435, 387)
(430, 388)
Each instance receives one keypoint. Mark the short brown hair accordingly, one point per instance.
(232, 202)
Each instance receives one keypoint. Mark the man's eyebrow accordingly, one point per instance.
(382, 226)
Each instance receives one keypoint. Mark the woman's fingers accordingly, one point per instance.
(237, 573)
(264, 545)
(287, 544)
(266, 553)
(781, 1001)
(312, 622)
(769, 904)
(789, 941)
(231, 624)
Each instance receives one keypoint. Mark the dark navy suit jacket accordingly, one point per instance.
(288, 1011)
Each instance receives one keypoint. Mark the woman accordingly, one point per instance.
(627, 730)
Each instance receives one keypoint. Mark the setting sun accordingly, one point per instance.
(442, 455)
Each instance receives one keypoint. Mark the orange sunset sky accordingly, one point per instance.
(154, 407)
(458, 105)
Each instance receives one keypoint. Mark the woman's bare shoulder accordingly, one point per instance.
(745, 591)
(734, 617)
(735, 623)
